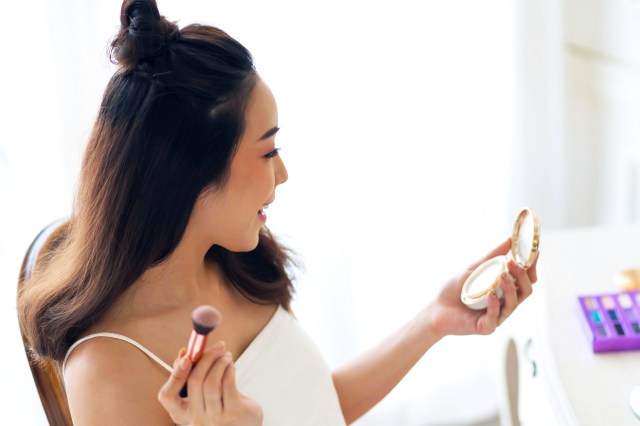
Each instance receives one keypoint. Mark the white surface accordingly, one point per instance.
(585, 389)
(634, 401)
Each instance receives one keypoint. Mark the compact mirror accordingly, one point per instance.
(525, 242)
(526, 238)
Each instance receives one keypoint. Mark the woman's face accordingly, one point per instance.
(232, 216)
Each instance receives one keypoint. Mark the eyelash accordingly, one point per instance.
(272, 153)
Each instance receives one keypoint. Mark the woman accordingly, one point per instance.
(170, 215)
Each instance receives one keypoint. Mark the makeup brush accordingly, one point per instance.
(205, 318)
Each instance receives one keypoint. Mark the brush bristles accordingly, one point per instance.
(205, 318)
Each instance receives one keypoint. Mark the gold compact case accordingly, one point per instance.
(627, 280)
(525, 242)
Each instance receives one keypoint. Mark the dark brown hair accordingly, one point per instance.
(167, 129)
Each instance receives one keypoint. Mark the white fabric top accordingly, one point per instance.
(281, 369)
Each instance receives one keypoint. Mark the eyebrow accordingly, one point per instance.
(272, 131)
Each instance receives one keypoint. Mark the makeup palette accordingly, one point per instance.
(612, 321)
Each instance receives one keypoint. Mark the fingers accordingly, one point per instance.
(522, 282)
(510, 298)
(488, 322)
(230, 394)
(516, 286)
(195, 385)
(169, 393)
(213, 392)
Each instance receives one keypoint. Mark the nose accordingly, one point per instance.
(280, 171)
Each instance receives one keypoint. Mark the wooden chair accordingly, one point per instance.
(47, 376)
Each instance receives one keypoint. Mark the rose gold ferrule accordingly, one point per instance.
(196, 346)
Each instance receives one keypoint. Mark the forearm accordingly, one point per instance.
(364, 381)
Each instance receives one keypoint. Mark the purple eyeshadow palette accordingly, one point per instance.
(612, 321)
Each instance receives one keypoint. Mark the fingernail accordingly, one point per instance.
(493, 294)
(184, 363)
(182, 352)
(506, 275)
(219, 345)
(227, 356)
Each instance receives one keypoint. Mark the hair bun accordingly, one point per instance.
(143, 32)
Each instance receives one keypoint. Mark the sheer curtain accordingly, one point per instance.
(578, 73)
(397, 126)
(544, 164)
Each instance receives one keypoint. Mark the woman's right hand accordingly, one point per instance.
(214, 399)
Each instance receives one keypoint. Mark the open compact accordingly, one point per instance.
(525, 242)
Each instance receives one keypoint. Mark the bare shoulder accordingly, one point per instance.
(109, 382)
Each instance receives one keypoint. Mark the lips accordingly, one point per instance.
(262, 213)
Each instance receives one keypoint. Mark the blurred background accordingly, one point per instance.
(413, 132)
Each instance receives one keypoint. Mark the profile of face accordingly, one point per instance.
(232, 216)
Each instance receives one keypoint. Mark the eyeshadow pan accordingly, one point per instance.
(625, 300)
(607, 302)
(590, 303)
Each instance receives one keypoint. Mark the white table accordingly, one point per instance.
(582, 388)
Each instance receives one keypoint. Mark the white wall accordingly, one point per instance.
(579, 89)
(602, 72)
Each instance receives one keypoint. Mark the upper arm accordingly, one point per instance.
(110, 382)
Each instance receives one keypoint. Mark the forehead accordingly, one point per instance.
(262, 111)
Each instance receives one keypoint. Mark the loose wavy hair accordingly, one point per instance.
(167, 129)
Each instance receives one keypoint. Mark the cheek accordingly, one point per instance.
(253, 182)
(242, 201)
(268, 183)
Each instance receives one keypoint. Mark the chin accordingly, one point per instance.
(243, 246)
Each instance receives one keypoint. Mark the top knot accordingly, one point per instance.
(143, 33)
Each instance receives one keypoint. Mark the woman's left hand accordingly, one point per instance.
(450, 316)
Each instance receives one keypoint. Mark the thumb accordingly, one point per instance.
(169, 394)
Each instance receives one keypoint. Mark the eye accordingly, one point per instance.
(272, 154)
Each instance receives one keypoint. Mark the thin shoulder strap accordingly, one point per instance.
(119, 337)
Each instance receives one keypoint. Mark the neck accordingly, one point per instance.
(183, 279)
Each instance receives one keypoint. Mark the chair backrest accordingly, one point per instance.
(46, 375)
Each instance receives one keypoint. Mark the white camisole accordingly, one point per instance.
(281, 369)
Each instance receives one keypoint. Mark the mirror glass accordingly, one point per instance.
(634, 401)
(525, 238)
